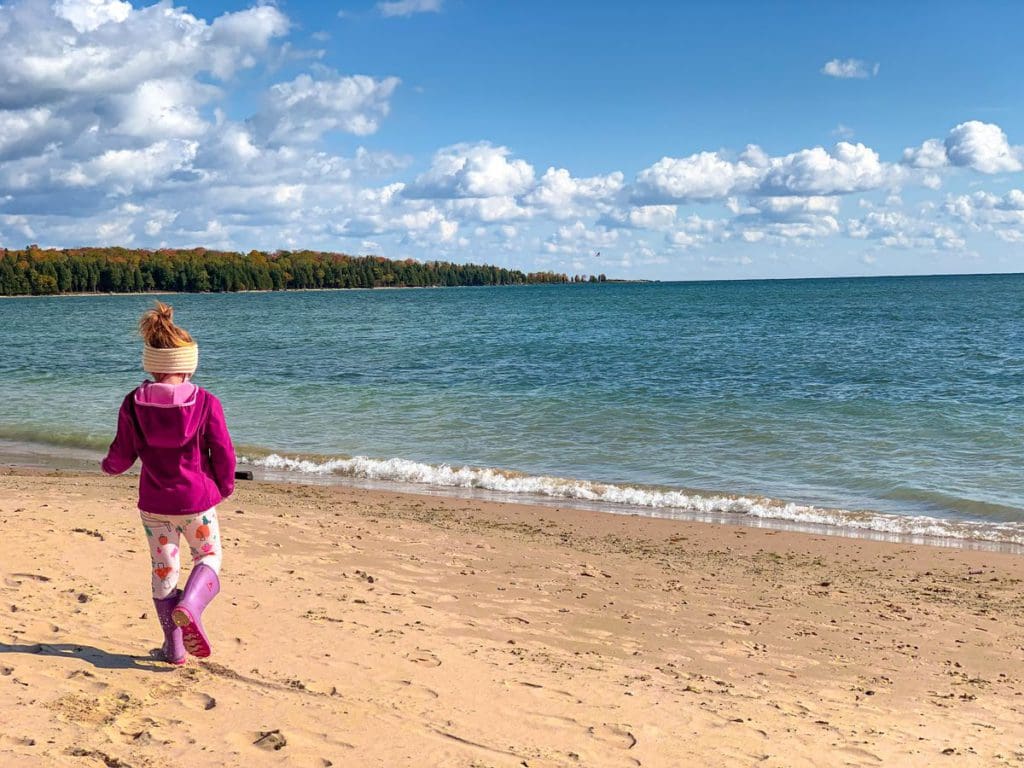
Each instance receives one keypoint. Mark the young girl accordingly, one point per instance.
(188, 465)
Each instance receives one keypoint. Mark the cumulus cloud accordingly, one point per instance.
(487, 209)
(305, 108)
(791, 208)
(701, 176)
(561, 196)
(86, 15)
(787, 219)
(709, 176)
(408, 7)
(129, 169)
(654, 217)
(98, 49)
(578, 238)
(1001, 215)
(931, 154)
(121, 124)
(112, 107)
(166, 107)
(847, 168)
(895, 229)
(28, 131)
(981, 146)
(849, 68)
(472, 170)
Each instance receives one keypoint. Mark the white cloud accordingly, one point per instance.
(972, 144)
(789, 208)
(128, 169)
(931, 154)
(1013, 200)
(1010, 235)
(983, 147)
(578, 238)
(487, 209)
(165, 108)
(815, 172)
(701, 176)
(121, 123)
(849, 68)
(878, 224)
(847, 168)
(408, 7)
(27, 131)
(472, 170)
(656, 217)
(559, 195)
(894, 229)
(1001, 215)
(305, 108)
(66, 62)
(87, 15)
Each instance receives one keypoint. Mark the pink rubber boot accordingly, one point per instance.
(174, 647)
(202, 586)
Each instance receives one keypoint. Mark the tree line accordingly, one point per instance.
(38, 271)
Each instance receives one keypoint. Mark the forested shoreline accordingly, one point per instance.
(36, 271)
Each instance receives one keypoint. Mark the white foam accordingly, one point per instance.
(638, 497)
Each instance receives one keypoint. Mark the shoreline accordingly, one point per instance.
(495, 484)
(442, 631)
(311, 290)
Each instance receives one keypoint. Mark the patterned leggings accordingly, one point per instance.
(163, 533)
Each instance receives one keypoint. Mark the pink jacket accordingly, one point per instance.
(188, 462)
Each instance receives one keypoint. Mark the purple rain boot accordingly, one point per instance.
(202, 586)
(174, 647)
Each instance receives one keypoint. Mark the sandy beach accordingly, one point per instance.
(367, 628)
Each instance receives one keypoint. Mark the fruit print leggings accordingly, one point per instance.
(163, 533)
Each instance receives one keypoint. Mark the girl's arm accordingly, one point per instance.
(122, 452)
(222, 452)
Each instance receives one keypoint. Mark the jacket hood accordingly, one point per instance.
(169, 415)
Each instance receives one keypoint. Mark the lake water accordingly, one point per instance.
(892, 405)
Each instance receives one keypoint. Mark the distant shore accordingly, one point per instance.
(80, 294)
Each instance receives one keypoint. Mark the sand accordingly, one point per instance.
(366, 628)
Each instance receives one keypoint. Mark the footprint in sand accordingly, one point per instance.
(15, 741)
(15, 580)
(613, 735)
(423, 657)
(415, 691)
(198, 700)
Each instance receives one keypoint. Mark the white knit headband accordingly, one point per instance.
(174, 360)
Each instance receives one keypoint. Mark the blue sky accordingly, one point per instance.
(679, 140)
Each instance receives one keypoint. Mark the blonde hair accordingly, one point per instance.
(157, 328)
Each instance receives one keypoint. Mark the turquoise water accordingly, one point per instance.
(875, 403)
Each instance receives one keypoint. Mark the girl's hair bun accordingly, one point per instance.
(157, 328)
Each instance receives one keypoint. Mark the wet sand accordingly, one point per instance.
(369, 628)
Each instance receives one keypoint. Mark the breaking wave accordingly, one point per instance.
(666, 502)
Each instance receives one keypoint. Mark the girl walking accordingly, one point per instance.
(178, 431)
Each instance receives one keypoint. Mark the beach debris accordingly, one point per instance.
(273, 740)
(89, 532)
